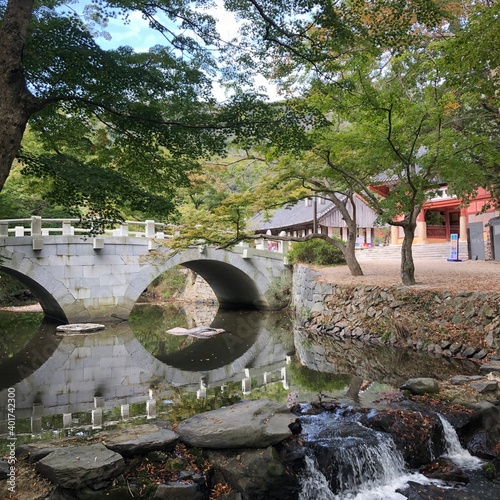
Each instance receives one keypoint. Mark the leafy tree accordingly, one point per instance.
(117, 128)
(327, 53)
(373, 70)
(471, 58)
(315, 252)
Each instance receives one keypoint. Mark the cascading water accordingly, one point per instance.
(454, 450)
(347, 461)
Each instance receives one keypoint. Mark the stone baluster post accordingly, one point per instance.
(36, 232)
(66, 227)
(36, 225)
(283, 245)
(150, 229)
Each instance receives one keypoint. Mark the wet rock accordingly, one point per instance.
(485, 386)
(445, 470)
(295, 427)
(139, 440)
(256, 474)
(418, 436)
(421, 386)
(75, 467)
(417, 491)
(481, 434)
(249, 424)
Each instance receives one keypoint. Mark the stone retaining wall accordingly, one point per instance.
(197, 290)
(455, 324)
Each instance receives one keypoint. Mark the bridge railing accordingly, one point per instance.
(36, 226)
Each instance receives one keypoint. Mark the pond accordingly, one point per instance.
(134, 371)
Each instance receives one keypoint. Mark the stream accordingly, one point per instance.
(60, 381)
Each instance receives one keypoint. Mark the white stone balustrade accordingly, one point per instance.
(37, 226)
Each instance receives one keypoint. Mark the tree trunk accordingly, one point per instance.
(16, 102)
(407, 264)
(350, 254)
(13, 122)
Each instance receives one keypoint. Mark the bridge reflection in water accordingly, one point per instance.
(106, 372)
(55, 375)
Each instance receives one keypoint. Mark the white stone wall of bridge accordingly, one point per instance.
(76, 281)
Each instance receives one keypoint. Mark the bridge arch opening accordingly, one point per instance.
(50, 306)
(233, 288)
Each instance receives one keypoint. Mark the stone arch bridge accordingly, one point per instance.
(81, 278)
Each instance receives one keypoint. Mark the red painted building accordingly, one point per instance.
(444, 215)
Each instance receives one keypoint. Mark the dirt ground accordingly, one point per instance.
(430, 274)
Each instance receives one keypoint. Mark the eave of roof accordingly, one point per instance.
(288, 216)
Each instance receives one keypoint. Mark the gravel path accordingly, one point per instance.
(431, 274)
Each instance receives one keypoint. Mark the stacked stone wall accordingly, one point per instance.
(451, 323)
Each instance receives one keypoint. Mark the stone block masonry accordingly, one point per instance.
(455, 324)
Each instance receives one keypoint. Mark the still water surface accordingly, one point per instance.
(136, 371)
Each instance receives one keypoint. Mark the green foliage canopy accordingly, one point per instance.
(117, 128)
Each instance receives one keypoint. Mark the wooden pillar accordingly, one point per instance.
(463, 224)
(394, 235)
(421, 233)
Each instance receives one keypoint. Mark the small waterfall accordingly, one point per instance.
(454, 450)
(367, 466)
(314, 484)
(382, 486)
(350, 462)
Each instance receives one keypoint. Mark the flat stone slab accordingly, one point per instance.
(199, 332)
(178, 491)
(75, 467)
(139, 440)
(493, 366)
(485, 386)
(79, 328)
(464, 379)
(249, 424)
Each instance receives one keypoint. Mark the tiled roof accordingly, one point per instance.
(288, 216)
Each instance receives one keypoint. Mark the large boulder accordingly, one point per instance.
(139, 440)
(76, 467)
(417, 435)
(419, 386)
(249, 424)
(481, 434)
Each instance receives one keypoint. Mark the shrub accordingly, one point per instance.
(315, 251)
